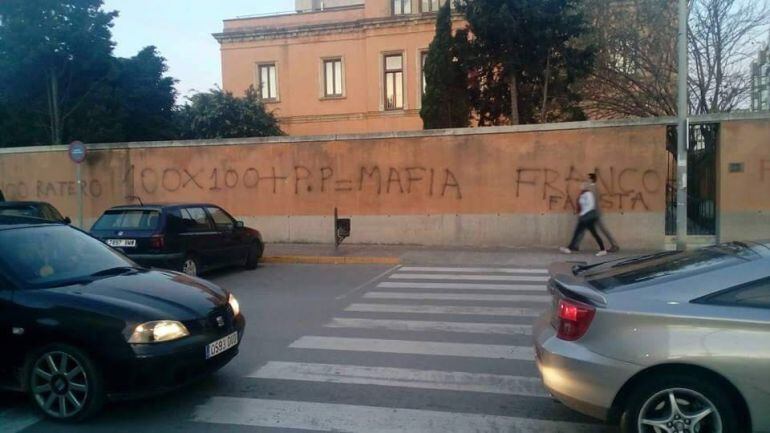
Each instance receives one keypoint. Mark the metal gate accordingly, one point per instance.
(701, 179)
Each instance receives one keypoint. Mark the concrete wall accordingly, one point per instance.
(744, 196)
(497, 186)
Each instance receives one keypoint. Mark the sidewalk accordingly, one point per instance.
(421, 255)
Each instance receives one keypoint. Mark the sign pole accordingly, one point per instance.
(80, 196)
(77, 152)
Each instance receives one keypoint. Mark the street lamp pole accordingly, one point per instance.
(682, 130)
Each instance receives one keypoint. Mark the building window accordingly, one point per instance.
(423, 57)
(401, 7)
(430, 5)
(394, 82)
(333, 78)
(268, 82)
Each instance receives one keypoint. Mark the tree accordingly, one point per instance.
(53, 55)
(147, 97)
(59, 80)
(634, 73)
(445, 102)
(720, 36)
(529, 51)
(219, 114)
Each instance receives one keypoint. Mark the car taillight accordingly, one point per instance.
(157, 241)
(573, 319)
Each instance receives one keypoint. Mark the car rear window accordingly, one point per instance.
(666, 265)
(129, 219)
(19, 211)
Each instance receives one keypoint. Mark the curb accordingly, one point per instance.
(332, 260)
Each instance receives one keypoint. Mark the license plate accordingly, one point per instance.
(221, 345)
(122, 243)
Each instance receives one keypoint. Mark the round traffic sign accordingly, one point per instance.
(77, 152)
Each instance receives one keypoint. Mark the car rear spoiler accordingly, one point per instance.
(564, 280)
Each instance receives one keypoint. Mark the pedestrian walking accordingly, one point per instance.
(587, 217)
(600, 227)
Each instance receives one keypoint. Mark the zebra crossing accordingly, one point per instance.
(456, 334)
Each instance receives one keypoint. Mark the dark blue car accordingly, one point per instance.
(190, 238)
(82, 324)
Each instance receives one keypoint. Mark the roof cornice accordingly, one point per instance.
(267, 33)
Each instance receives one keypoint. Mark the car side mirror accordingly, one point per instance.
(67, 220)
(239, 224)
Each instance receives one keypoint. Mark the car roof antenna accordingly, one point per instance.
(135, 197)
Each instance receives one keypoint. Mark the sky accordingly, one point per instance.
(181, 29)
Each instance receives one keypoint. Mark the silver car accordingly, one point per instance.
(665, 343)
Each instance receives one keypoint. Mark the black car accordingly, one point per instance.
(36, 209)
(81, 324)
(187, 237)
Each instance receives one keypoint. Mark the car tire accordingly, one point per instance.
(191, 265)
(64, 383)
(694, 395)
(252, 259)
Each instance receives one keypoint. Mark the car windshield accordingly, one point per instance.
(19, 211)
(669, 264)
(48, 256)
(128, 219)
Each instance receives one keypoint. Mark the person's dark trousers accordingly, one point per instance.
(586, 222)
(603, 231)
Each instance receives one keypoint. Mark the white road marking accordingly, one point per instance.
(494, 351)
(463, 286)
(369, 419)
(361, 286)
(403, 377)
(483, 277)
(444, 309)
(476, 270)
(419, 325)
(458, 297)
(17, 419)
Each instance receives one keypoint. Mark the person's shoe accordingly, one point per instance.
(565, 250)
(601, 253)
(613, 249)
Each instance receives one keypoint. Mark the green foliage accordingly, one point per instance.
(526, 43)
(445, 102)
(59, 80)
(219, 114)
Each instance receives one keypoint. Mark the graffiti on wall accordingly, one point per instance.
(300, 179)
(619, 189)
(43, 190)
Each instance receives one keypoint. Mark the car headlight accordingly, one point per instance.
(234, 305)
(158, 332)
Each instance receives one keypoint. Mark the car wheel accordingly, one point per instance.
(252, 259)
(679, 404)
(191, 266)
(64, 383)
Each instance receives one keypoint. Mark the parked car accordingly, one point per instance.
(37, 209)
(83, 324)
(669, 342)
(191, 238)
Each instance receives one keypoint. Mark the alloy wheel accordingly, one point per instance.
(59, 384)
(189, 267)
(679, 410)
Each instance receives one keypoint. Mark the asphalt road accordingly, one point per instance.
(360, 348)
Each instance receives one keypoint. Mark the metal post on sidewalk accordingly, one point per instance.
(683, 129)
(78, 152)
(80, 197)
